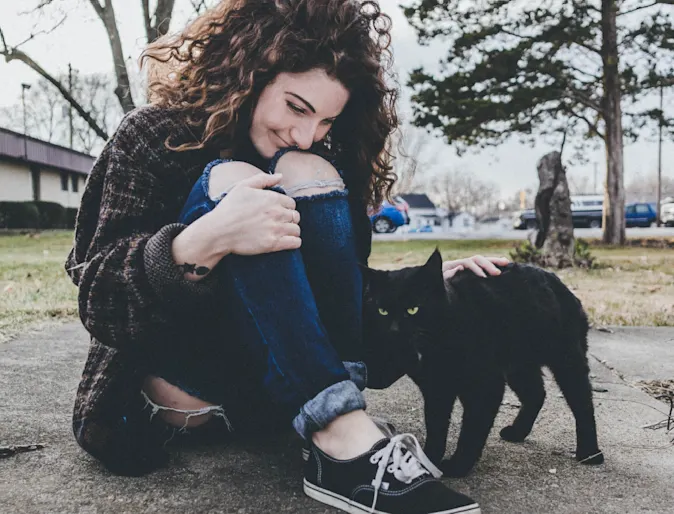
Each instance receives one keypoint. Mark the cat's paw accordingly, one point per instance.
(590, 458)
(512, 434)
(455, 468)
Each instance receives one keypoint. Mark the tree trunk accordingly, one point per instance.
(123, 90)
(614, 192)
(162, 15)
(553, 213)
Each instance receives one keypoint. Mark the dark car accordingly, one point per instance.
(636, 215)
(640, 215)
(582, 218)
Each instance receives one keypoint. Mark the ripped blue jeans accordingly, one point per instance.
(298, 313)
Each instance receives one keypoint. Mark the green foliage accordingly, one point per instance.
(583, 256)
(19, 215)
(52, 215)
(36, 215)
(536, 68)
(526, 252)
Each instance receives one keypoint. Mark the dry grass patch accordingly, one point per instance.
(34, 287)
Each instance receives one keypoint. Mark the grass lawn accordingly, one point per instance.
(633, 286)
(34, 287)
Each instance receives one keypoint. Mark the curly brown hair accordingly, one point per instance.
(215, 70)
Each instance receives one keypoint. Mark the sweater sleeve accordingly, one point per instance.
(130, 288)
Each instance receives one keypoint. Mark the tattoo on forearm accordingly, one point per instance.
(193, 268)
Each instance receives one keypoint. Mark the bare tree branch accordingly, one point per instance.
(41, 32)
(14, 54)
(592, 126)
(411, 158)
(199, 6)
(98, 8)
(156, 25)
(638, 8)
(4, 48)
(582, 72)
(582, 98)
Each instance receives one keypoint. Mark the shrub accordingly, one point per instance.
(527, 253)
(19, 215)
(52, 215)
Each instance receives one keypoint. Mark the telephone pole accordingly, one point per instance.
(24, 88)
(659, 196)
(70, 107)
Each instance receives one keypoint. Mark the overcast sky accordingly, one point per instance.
(82, 42)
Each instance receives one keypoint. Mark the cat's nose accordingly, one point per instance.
(395, 327)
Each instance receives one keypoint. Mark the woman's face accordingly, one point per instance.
(296, 109)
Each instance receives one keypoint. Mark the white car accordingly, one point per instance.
(667, 214)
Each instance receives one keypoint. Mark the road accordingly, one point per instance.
(497, 231)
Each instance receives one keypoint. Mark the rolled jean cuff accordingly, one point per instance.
(357, 373)
(334, 401)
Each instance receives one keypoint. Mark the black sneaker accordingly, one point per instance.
(394, 477)
(388, 429)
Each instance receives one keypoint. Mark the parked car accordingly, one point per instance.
(636, 215)
(390, 216)
(586, 211)
(422, 229)
(526, 220)
(640, 215)
(667, 214)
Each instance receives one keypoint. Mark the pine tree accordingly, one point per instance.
(533, 68)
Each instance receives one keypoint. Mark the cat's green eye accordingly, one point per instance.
(412, 311)
(383, 312)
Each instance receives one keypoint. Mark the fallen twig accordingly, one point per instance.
(9, 451)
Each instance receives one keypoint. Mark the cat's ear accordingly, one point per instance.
(369, 276)
(435, 260)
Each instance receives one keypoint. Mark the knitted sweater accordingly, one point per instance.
(132, 298)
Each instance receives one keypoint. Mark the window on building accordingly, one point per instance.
(74, 179)
(64, 181)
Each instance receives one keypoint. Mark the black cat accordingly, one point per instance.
(466, 338)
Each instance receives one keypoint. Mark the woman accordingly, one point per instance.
(247, 313)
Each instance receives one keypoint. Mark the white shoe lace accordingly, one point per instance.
(404, 466)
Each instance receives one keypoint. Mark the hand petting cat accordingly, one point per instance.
(477, 264)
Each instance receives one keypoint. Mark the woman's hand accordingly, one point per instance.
(251, 220)
(477, 264)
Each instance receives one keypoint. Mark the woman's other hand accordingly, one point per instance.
(477, 264)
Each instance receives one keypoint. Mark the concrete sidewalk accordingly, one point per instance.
(39, 374)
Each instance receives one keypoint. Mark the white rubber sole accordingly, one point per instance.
(346, 505)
